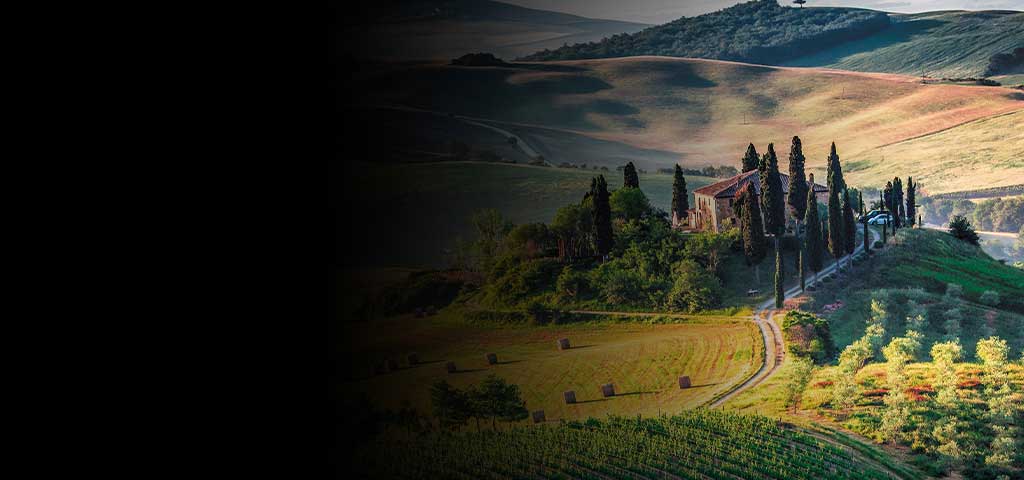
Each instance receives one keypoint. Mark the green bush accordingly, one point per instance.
(695, 289)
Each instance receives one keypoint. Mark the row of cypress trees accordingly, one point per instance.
(838, 235)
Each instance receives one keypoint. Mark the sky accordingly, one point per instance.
(661, 11)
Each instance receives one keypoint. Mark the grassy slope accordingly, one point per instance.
(707, 111)
(643, 361)
(936, 44)
(430, 204)
(508, 31)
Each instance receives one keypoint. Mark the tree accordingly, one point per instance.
(944, 356)
(602, 216)
(451, 406)
(867, 248)
(960, 228)
(630, 178)
(911, 201)
(836, 225)
(773, 201)
(680, 197)
(498, 400)
(849, 226)
(750, 159)
(694, 289)
(629, 203)
(751, 229)
(780, 290)
(898, 353)
(797, 195)
(812, 237)
(800, 376)
(860, 200)
(802, 268)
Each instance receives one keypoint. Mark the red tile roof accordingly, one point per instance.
(727, 188)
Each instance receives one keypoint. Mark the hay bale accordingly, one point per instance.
(538, 416)
(492, 359)
(563, 344)
(569, 396)
(684, 382)
(608, 390)
(413, 358)
(392, 364)
(450, 367)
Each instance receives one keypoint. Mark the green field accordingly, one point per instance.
(643, 361)
(693, 445)
(431, 203)
(935, 44)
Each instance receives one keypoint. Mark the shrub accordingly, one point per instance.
(695, 289)
(990, 298)
(571, 283)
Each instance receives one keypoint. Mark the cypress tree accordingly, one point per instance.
(751, 229)
(680, 197)
(897, 200)
(867, 248)
(836, 227)
(850, 226)
(812, 237)
(797, 195)
(800, 265)
(780, 295)
(885, 227)
(750, 159)
(773, 201)
(860, 200)
(629, 177)
(911, 201)
(602, 217)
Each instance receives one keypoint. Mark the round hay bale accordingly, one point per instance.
(492, 359)
(392, 364)
(608, 390)
(538, 416)
(684, 382)
(569, 396)
(413, 358)
(563, 344)
(450, 367)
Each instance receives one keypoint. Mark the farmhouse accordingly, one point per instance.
(713, 203)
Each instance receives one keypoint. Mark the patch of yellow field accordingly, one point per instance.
(642, 361)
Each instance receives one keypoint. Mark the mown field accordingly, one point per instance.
(642, 360)
(707, 111)
(419, 211)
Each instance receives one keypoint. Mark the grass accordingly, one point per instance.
(937, 44)
(706, 112)
(643, 361)
(420, 210)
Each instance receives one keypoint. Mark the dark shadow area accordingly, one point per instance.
(701, 386)
(592, 401)
(509, 362)
(626, 394)
(897, 32)
(469, 370)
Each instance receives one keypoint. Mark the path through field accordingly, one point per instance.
(774, 347)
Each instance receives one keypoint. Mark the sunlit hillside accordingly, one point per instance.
(706, 112)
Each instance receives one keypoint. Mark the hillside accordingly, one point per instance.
(937, 44)
(446, 29)
(705, 112)
(691, 445)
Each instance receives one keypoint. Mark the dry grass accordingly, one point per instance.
(706, 111)
(644, 362)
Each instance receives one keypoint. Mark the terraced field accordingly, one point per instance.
(643, 361)
(697, 444)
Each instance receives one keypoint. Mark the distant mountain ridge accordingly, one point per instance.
(939, 44)
(447, 29)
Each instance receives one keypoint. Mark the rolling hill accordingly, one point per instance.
(937, 44)
(446, 29)
(950, 137)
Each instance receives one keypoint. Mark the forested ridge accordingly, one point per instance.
(760, 31)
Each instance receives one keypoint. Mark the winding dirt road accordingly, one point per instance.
(774, 347)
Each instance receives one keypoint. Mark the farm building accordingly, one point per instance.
(713, 204)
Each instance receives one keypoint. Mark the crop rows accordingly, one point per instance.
(700, 444)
